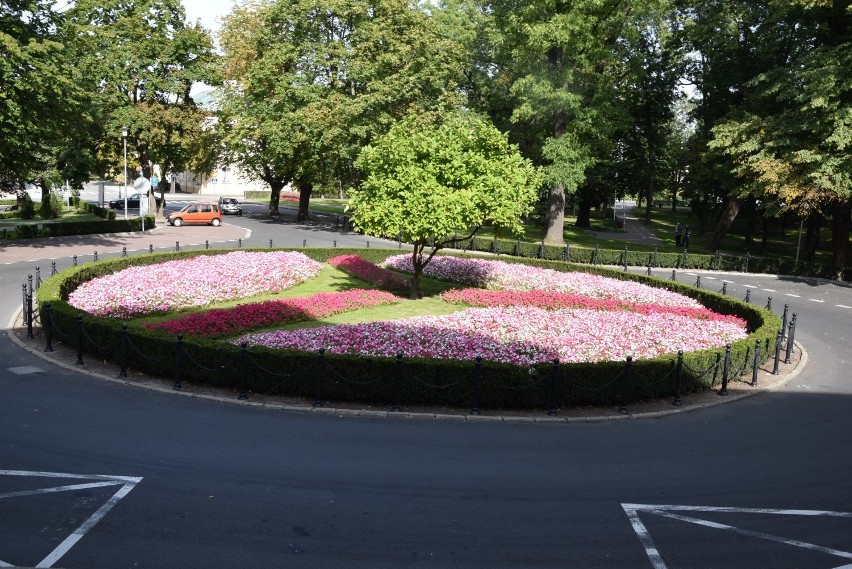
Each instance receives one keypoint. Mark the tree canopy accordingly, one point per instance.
(426, 181)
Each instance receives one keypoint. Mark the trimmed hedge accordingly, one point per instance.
(423, 382)
(682, 260)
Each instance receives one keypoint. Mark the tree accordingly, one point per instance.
(428, 180)
(311, 82)
(139, 61)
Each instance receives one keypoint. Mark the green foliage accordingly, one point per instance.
(27, 206)
(52, 207)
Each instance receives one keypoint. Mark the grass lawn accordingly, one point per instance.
(68, 216)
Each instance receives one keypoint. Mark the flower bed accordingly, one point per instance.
(185, 283)
(500, 275)
(560, 300)
(228, 321)
(519, 335)
(370, 272)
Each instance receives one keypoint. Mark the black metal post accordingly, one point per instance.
(270, 243)
(674, 275)
(724, 288)
(625, 384)
(24, 302)
(178, 362)
(30, 285)
(304, 242)
(243, 365)
(678, 378)
(53, 268)
(38, 277)
(698, 281)
(784, 321)
(30, 316)
(726, 370)
(335, 243)
(124, 251)
(320, 375)
(755, 367)
(177, 245)
(240, 243)
(397, 385)
(777, 361)
(769, 306)
(122, 342)
(625, 258)
(790, 342)
(74, 261)
(79, 322)
(649, 269)
(96, 256)
(748, 295)
(554, 376)
(47, 324)
(206, 244)
(150, 248)
(477, 386)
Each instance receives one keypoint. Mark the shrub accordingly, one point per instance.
(27, 206)
(52, 207)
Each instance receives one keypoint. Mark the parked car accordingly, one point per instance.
(230, 205)
(132, 202)
(200, 213)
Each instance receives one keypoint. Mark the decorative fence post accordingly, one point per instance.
(304, 242)
(24, 302)
(397, 384)
(698, 281)
(74, 261)
(554, 376)
(756, 365)
(726, 370)
(53, 268)
(784, 320)
(243, 363)
(122, 341)
(790, 342)
(79, 322)
(38, 277)
(769, 307)
(177, 245)
(320, 375)
(150, 248)
(206, 244)
(124, 252)
(477, 386)
(724, 289)
(47, 324)
(270, 243)
(678, 378)
(624, 257)
(625, 384)
(748, 295)
(96, 256)
(30, 315)
(178, 362)
(777, 353)
(674, 275)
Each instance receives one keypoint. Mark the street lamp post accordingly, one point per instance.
(124, 136)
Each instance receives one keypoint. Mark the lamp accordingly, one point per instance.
(124, 136)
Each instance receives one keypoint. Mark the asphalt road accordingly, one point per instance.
(155, 480)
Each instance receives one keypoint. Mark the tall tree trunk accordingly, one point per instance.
(725, 220)
(305, 190)
(584, 212)
(752, 221)
(841, 211)
(811, 245)
(276, 185)
(555, 221)
(649, 134)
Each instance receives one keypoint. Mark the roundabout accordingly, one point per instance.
(242, 484)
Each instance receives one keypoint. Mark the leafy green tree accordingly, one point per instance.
(426, 181)
(139, 61)
(309, 82)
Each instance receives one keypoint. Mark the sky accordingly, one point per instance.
(208, 11)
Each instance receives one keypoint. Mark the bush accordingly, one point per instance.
(52, 207)
(27, 206)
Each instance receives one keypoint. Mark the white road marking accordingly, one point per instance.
(815, 300)
(793, 295)
(657, 562)
(750, 286)
(711, 278)
(770, 290)
(842, 306)
(127, 484)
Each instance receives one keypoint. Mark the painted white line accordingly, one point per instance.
(793, 295)
(711, 278)
(842, 306)
(78, 534)
(59, 489)
(757, 534)
(815, 300)
(34, 474)
(726, 281)
(692, 274)
(770, 290)
(645, 538)
(733, 510)
(750, 286)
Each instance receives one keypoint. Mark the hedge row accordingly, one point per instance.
(374, 379)
(681, 260)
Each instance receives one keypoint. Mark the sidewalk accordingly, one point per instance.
(634, 229)
(162, 236)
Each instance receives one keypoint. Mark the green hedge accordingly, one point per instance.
(681, 260)
(423, 382)
(104, 212)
